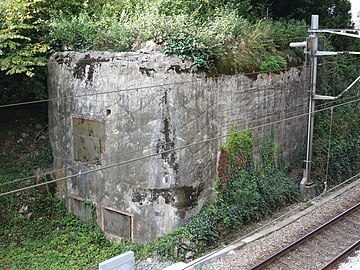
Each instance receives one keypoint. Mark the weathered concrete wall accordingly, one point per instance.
(130, 119)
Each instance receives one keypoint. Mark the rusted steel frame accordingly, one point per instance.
(308, 236)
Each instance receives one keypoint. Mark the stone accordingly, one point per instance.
(24, 135)
(176, 266)
(24, 209)
(189, 255)
(186, 242)
(150, 46)
(38, 126)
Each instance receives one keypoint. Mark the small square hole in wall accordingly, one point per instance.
(88, 140)
(116, 223)
(80, 208)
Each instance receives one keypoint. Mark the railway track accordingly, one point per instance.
(322, 248)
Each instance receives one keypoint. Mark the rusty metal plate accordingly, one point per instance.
(88, 139)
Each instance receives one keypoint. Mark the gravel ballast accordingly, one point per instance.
(353, 263)
(255, 251)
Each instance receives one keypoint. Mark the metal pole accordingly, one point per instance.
(313, 46)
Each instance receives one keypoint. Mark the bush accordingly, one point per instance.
(209, 33)
(246, 195)
(273, 63)
(187, 48)
(72, 32)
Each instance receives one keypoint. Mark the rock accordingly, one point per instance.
(19, 140)
(24, 135)
(176, 252)
(231, 252)
(150, 46)
(176, 266)
(189, 255)
(24, 209)
(42, 137)
(186, 242)
(28, 215)
(38, 127)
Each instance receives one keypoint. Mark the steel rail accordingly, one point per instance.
(303, 239)
(342, 256)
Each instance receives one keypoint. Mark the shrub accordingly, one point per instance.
(188, 48)
(72, 32)
(273, 63)
(209, 33)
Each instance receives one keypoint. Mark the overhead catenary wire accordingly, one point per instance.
(147, 148)
(223, 128)
(226, 125)
(234, 121)
(166, 151)
(135, 88)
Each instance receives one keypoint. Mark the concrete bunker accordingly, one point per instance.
(139, 106)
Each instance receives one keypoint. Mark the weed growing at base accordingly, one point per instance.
(52, 238)
(244, 194)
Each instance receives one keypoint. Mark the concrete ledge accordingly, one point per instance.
(124, 261)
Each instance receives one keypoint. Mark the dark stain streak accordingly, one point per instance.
(178, 69)
(80, 67)
(147, 71)
(183, 198)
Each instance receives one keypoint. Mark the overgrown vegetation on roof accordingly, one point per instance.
(211, 34)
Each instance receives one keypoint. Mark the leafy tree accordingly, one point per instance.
(20, 50)
(333, 13)
(23, 48)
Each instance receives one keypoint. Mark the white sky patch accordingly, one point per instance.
(355, 8)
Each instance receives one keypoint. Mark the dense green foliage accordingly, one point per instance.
(52, 238)
(244, 194)
(273, 62)
(344, 151)
(218, 35)
(219, 38)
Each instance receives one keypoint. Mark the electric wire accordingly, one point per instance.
(226, 125)
(223, 128)
(166, 151)
(147, 148)
(151, 147)
(137, 88)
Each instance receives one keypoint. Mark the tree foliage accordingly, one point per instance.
(20, 48)
(230, 34)
(333, 13)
